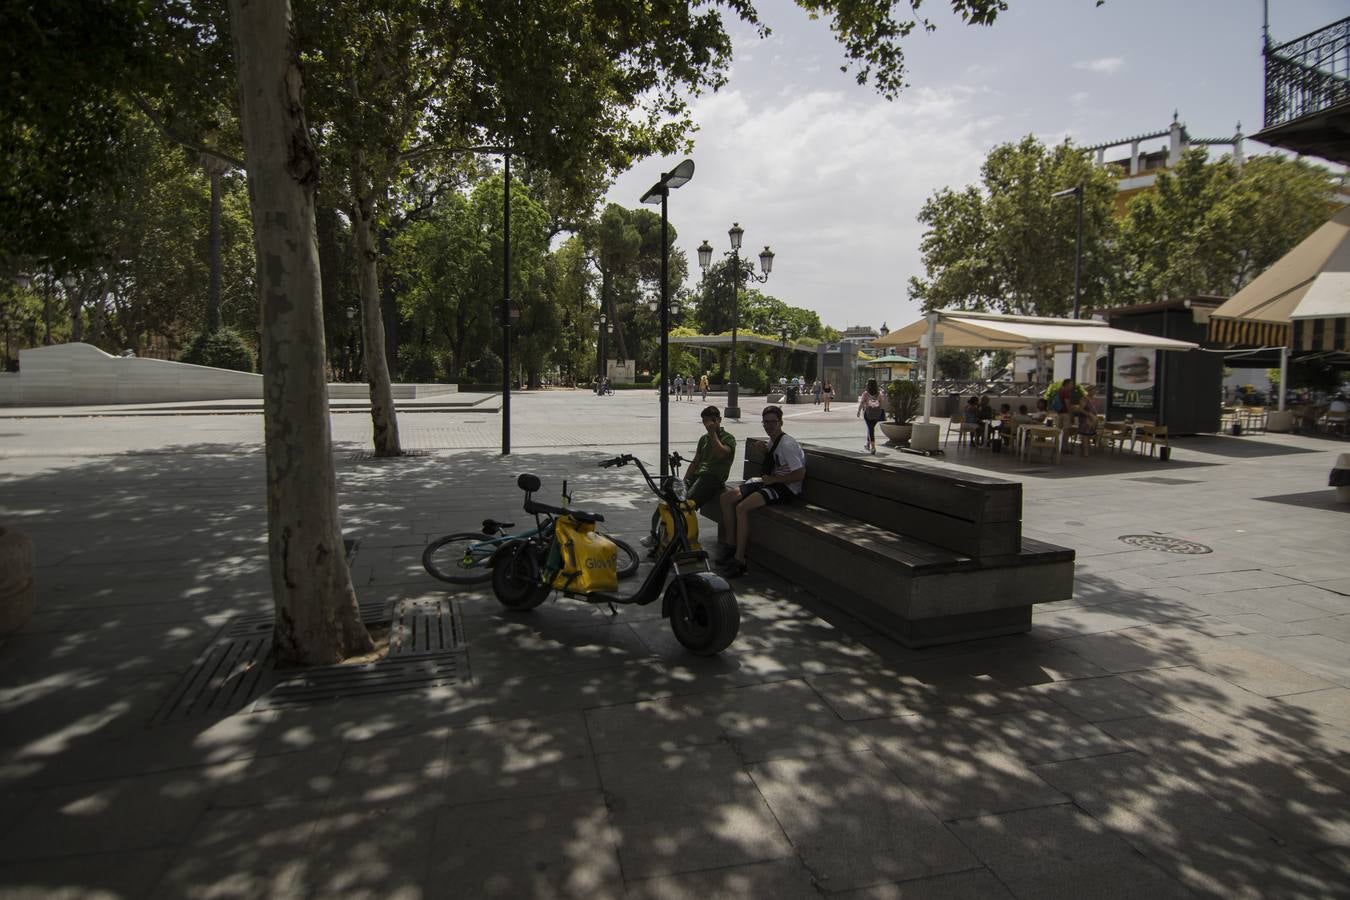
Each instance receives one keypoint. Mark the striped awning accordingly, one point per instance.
(1248, 333)
(1321, 334)
(1302, 301)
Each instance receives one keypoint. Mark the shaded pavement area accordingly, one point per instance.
(1180, 727)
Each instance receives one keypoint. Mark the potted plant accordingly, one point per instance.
(903, 399)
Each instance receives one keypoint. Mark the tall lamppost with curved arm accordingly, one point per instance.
(738, 279)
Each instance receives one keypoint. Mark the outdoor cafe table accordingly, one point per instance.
(1029, 432)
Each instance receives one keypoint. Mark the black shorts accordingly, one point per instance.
(772, 493)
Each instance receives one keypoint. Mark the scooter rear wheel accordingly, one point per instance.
(709, 622)
(515, 577)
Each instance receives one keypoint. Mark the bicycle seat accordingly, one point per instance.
(492, 526)
(528, 483)
(534, 508)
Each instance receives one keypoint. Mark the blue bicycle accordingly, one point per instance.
(465, 557)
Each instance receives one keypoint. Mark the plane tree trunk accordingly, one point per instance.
(317, 619)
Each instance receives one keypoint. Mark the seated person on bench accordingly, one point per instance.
(784, 469)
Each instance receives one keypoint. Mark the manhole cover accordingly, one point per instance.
(1164, 544)
(1159, 479)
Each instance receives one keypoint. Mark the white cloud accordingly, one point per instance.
(1107, 65)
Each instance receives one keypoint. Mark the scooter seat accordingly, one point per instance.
(534, 508)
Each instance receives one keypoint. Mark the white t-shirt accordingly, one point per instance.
(788, 457)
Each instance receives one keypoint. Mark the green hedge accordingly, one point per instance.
(223, 349)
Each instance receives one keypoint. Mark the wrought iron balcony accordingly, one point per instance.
(1308, 93)
(1309, 74)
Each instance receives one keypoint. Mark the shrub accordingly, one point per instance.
(223, 349)
(904, 400)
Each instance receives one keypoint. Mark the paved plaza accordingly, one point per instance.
(1180, 727)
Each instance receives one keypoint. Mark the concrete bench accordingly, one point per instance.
(922, 554)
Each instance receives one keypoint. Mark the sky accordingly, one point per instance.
(832, 176)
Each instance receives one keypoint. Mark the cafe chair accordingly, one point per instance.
(962, 429)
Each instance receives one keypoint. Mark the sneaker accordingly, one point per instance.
(725, 554)
(648, 541)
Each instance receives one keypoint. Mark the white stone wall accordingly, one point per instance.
(83, 375)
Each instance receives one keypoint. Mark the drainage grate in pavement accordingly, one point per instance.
(1160, 479)
(260, 624)
(424, 627)
(388, 676)
(426, 649)
(1165, 544)
(369, 456)
(224, 679)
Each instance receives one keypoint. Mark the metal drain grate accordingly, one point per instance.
(388, 676)
(426, 649)
(1165, 544)
(423, 627)
(223, 680)
(260, 624)
(1159, 479)
(369, 456)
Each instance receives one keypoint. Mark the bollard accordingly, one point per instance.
(1340, 478)
(18, 592)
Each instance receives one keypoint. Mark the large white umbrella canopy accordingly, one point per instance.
(995, 331)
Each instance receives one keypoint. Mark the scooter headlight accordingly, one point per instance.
(677, 487)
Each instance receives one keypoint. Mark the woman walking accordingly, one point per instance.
(827, 393)
(872, 412)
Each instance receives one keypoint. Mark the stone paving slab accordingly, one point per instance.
(854, 824)
(589, 755)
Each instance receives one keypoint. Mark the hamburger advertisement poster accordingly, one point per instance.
(1133, 371)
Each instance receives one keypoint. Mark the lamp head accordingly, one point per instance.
(1067, 192)
(736, 232)
(766, 260)
(704, 254)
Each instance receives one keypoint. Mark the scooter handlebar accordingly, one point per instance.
(616, 461)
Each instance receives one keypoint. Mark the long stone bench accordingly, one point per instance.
(922, 554)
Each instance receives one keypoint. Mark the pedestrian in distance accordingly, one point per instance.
(678, 386)
(827, 394)
(872, 412)
(703, 386)
(815, 392)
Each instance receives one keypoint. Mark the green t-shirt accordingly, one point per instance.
(708, 464)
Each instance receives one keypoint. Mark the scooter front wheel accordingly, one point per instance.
(705, 618)
(515, 577)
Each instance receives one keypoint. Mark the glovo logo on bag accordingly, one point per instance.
(590, 561)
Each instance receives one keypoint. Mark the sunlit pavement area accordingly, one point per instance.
(1181, 727)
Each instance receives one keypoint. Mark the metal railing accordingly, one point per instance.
(1309, 74)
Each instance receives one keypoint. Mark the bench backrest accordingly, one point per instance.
(974, 515)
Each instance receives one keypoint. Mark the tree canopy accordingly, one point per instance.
(1208, 227)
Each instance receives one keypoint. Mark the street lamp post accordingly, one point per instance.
(1076, 191)
(602, 328)
(676, 177)
(507, 318)
(738, 278)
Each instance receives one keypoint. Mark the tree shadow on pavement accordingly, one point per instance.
(1121, 747)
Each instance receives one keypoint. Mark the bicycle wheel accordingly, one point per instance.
(462, 558)
(628, 558)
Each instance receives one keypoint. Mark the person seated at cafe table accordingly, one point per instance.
(1042, 414)
(1085, 413)
(970, 421)
(1003, 426)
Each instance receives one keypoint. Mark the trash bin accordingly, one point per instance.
(791, 393)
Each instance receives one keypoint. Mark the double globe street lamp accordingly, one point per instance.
(738, 280)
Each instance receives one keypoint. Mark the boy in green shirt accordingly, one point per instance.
(707, 474)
